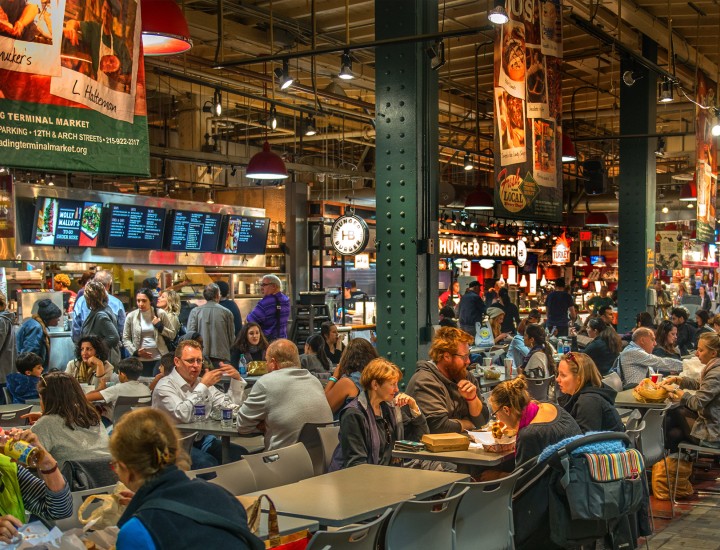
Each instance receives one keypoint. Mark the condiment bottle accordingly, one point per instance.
(20, 451)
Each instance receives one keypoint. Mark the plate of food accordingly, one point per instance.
(90, 223)
(496, 437)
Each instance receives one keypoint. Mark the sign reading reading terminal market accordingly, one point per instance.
(484, 249)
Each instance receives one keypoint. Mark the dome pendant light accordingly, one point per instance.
(266, 165)
(498, 15)
(164, 28)
(346, 72)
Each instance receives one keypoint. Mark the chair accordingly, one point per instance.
(281, 466)
(614, 381)
(236, 477)
(316, 441)
(423, 523)
(689, 448)
(186, 442)
(8, 395)
(486, 508)
(11, 419)
(538, 388)
(78, 497)
(652, 446)
(126, 403)
(89, 473)
(359, 537)
(634, 433)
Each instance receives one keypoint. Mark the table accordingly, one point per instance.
(287, 525)
(486, 383)
(466, 460)
(16, 406)
(626, 400)
(212, 427)
(356, 494)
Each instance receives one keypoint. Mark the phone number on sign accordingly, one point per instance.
(122, 141)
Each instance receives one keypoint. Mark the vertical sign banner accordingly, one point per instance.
(72, 86)
(706, 159)
(668, 250)
(527, 106)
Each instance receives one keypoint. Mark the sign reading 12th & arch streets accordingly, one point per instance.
(527, 106)
(72, 86)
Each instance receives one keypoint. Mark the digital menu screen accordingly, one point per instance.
(195, 231)
(245, 235)
(65, 222)
(139, 227)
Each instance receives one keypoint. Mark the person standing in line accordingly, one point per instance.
(560, 309)
(81, 309)
(7, 343)
(230, 305)
(471, 309)
(273, 311)
(33, 335)
(215, 325)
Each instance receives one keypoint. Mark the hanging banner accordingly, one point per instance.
(706, 159)
(668, 250)
(527, 106)
(72, 86)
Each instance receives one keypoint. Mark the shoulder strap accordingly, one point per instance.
(278, 309)
(204, 517)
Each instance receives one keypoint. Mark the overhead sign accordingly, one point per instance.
(349, 235)
(561, 250)
(484, 249)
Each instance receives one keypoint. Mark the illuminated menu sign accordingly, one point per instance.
(64, 222)
(245, 235)
(139, 227)
(195, 231)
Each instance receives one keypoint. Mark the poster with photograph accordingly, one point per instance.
(512, 73)
(536, 80)
(551, 27)
(544, 152)
(706, 159)
(82, 106)
(511, 127)
(668, 250)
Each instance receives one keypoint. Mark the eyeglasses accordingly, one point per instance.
(113, 465)
(266, 284)
(493, 413)
(570, 356)
(465, 357)
(192, 361)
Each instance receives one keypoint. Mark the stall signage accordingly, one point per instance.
(349, 235)
(484, 249)
(561, 250)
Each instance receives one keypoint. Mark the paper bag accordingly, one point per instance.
(105, 515)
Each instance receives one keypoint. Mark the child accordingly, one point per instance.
(22, 384)
(129, 371)
(167, 364)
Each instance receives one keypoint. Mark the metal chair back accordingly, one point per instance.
(281, 466)
(538, 388)
(315, 443)
(360, 537)
(236, 477)
(125, 404)
(12, 419)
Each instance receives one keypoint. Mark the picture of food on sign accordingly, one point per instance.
(90, 224)
(513, 55)
(511, 194)
(511, 121)
(46, 222)
(535, 81)
(551, 24)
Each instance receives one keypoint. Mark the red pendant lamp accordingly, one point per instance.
(688, 192)
(266, 165)
(164, 28)
(597, 219)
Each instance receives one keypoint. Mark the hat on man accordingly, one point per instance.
(47, 311)
(62, 279)
(474, 284)
(224, 287)
(493, 312)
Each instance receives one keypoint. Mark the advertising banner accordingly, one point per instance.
(706, 161)
(72, 86)
(668, 250)
(527, 105)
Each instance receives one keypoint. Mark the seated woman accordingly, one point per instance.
(496, 316)
(705, 402)
(90, 365)
(702, 318)
(538, 424)
(250, 344)
(517, 350)
(605, 346)
(46, 494)
(378, 417)
(333, 345)
(69, 426)
(344, 385)
(538, 362)
(590, 402)
(314, 358)
(167, 506)
(666, 339)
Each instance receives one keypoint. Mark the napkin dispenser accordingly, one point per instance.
(438, 443)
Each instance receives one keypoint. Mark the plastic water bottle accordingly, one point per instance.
(242, 367)
(199, 412)
(227, 417)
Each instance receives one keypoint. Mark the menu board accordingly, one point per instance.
(138, 227)
(195, 231)
(65, 222)
(245, 235)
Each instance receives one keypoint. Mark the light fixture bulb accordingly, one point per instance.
(468, 164)
(283, 76)
(498, 15)
(310, 129)
(272, 119)
(665, 91)
(665, 210)
(217, 103)
(211, 197)
(690, 205)
(716, 129)
(346, 72)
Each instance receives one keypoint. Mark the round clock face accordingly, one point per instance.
(349, 235)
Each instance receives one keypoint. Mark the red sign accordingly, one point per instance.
(586, 235)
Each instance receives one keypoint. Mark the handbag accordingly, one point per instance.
(660, 488)
(257, 368)
(253, 509)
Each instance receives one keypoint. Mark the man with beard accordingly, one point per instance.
(445, 391)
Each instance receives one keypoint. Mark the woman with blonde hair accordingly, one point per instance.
(378, 417)
(538, 425)
(496, 316)
(590, 402)
(167, 506)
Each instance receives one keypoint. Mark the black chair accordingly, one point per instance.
(89, 473)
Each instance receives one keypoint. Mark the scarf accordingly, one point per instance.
(84, 372)
(530, 353)
(528, 414)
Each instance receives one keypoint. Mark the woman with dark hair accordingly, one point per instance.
(251, 344)
(539, 362)
(101, 321)
(344, 385)
(512, 313)
(90, 365)
(144, 330)
(69, 427)
(666, 339)
(705, 301)
(333, 345)
(314, 358)
(605, 346)
(33, 335)
(702, 318)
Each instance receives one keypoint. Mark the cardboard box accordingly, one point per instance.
(438, 443)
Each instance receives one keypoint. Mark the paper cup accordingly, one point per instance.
(487, 361)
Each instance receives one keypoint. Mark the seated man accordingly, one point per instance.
(129, 371)
(284, 399)
(685, 333)
(179, 392)
(445, 391)
(636, 360)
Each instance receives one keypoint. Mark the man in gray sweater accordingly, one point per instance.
(284, 399)
(215, 324)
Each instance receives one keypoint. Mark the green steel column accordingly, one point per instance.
(407, 182)
(637, 190)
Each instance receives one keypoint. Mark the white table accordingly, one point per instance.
(212, 427)
(466, 460)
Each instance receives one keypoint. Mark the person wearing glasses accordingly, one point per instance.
(445, 391)
(182, 389)
(273, 311)
(590, 402)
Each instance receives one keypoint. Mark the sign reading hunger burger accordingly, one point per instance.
(484, 249)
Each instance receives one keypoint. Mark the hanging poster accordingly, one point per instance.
(706, 160)
(528, 176)
(72, 86)
(668, 250)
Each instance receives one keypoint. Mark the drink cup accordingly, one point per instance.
(655, 378)
(487, 361)
(508, 368)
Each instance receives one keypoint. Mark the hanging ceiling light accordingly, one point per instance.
(665, 91)
(479, 200)
(215, 106)
(468, 163)
(346, 72)
(568, 149)
(688, 192)
(580, 262)
(436, 53)
(498, 15)
(543, 281)
(283, 76)
(164, 28)
(210, 197)
(715, 130)
(272, 121)
(630, 78)
(665, 210)
(597, 219)
(310, 129)
(266, 165)
(523, 282)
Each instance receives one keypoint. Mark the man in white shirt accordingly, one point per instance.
(637, 360)
(129, 371)
(179, 392)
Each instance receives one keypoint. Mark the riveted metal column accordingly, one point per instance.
(406, 179)
(637, 190)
